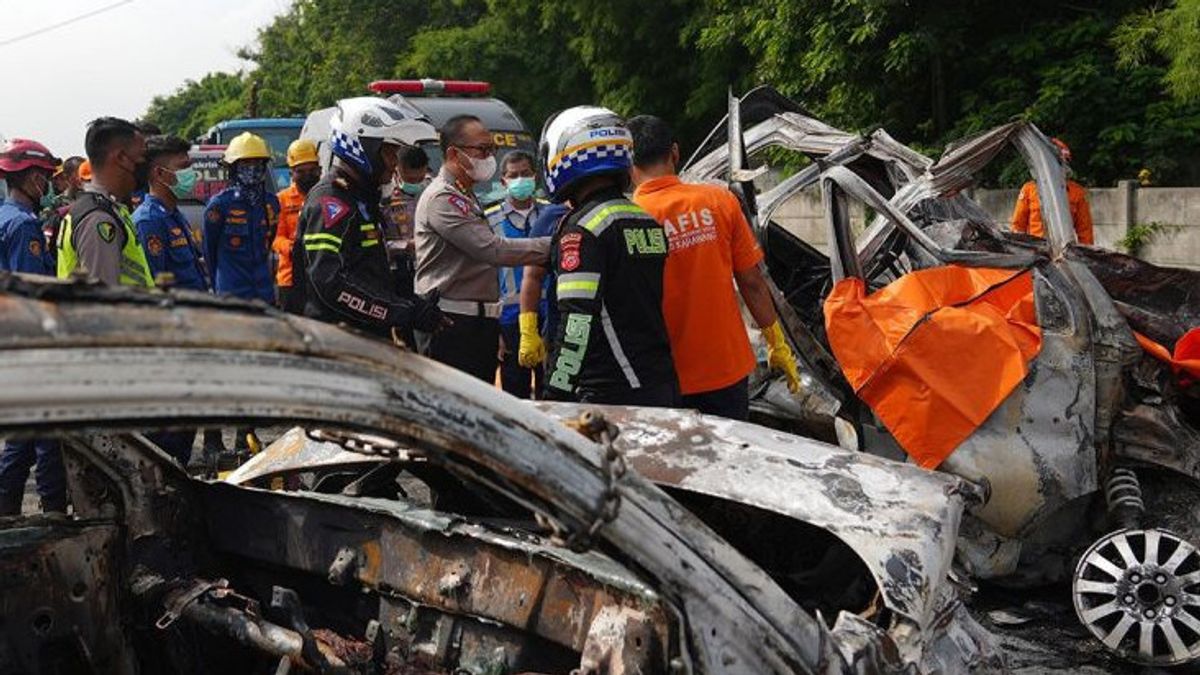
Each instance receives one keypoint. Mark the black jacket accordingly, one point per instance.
(340, 256)
(611, 341)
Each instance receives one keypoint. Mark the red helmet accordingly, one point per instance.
(1063, 150)
(18, 154)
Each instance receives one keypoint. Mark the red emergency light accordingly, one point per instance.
(429, 86)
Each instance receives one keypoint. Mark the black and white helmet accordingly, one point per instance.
(362, 126)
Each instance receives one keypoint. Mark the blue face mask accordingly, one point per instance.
(521, 188)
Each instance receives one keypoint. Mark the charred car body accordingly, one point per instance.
(1064, 457)
(487, 537)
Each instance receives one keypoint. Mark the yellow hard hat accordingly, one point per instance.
(246, 146)
(301, 151)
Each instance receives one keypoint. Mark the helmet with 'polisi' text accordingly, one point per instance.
(580, 142)
(362, 126)
(18, 154)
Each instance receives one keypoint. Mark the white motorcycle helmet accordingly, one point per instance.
(580, 142)
(361, 126)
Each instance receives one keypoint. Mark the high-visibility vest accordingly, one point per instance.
(135, 271)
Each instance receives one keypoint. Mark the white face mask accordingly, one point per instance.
(480, 169)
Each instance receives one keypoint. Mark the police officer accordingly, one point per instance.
(306, 171)
(611, 345)
(171, 246)
(97, 236)
(399, 211)
(67, 184)
(239, 223)
(341, 243)
(26, 167)
(458, 252)
(512, 218)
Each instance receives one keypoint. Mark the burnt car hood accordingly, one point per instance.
(901, 520)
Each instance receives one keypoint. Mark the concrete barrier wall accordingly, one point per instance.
(1114, 211)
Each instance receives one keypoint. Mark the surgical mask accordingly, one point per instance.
(185, 182)
(480, 169)
(412, 189)
(521, 188)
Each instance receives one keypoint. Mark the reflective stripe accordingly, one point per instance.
(615, 345)
(597, 220)
(582, 285)
(321, 236)
(366, 227)
(368, 243)
(319, 246)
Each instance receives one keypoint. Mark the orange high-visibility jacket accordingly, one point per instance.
(1027, 216)
(290, 202)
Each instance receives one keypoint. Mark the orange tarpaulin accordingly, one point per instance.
(936, 351)
(1185, 362)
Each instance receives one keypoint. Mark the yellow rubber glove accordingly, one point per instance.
(780, 356)
(532, 350)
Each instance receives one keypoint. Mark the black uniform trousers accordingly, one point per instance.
(514, 378)
(469, 345)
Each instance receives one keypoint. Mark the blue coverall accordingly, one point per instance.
(166, 238)
(237, 244)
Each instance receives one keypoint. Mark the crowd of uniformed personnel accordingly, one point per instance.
(590, 296)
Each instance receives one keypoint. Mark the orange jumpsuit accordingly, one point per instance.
(291, 200)
(1027, 217)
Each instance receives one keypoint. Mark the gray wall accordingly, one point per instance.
(1113, 211)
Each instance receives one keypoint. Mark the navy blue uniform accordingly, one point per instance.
(169, 244)
(23, 249)
(22, 243)
(237, 244)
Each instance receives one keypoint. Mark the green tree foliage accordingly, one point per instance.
(927, 70)
(507, 46)
(196, 106)
(323, 50)
(1172, 33)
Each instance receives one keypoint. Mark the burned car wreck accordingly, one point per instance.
(1090, 461)
(412, 520)
(485, 537)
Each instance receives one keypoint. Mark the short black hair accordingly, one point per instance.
(652, 140)
(413, 157)
(104, 135)
(71, 165)
(453, 130)
(148, 128)
(162, 146)
(517, 156)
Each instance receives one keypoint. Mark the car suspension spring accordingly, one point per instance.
(1124, 495)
